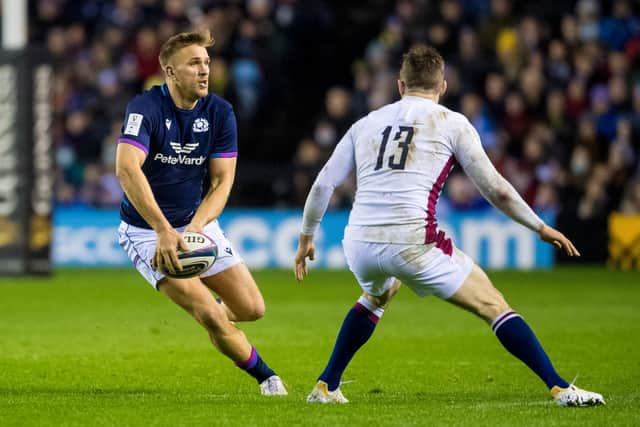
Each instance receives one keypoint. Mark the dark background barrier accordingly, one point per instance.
(27, 169)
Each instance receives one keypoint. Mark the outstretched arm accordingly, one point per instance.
(499, 192)
(334, 172)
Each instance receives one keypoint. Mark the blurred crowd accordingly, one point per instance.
(105, 52)
(553, 88)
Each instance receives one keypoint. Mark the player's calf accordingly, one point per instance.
(478, 295)
(357, 328)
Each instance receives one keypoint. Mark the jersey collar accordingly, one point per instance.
(165, 92)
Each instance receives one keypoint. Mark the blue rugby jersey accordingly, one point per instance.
(178, 144)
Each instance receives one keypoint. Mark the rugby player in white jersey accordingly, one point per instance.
(402, 154)
(176, 162)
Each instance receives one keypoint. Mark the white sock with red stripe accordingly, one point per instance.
(377, 311)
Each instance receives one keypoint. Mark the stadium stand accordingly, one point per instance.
(554, 91)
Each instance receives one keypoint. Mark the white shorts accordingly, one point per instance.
(140, 245)
(425, 269)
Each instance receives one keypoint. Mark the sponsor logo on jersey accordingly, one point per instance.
(179, 159)
(167, 123)
(200, 125)
(186, 149)
(182, 157)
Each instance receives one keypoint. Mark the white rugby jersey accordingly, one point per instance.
(402, 154)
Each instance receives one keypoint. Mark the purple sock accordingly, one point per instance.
(518, 338)
(256, 367)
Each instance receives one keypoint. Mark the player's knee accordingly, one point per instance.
(255, 312)
(251, 311)
(383, 300)
(380, 301)
(259, 310)
(391, 292)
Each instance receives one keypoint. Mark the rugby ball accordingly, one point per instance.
(200, 256)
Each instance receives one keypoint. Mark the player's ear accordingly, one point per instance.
(443, 88)
(401, 87)
(169, 70)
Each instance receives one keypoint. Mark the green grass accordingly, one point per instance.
(102, 348)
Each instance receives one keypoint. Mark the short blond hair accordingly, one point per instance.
(175, 43)
(422, 68)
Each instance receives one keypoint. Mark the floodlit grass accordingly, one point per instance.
(101, 347)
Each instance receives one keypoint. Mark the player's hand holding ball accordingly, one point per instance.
(195, 253)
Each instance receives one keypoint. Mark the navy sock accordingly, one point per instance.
(256, 367)
(518, 338)
(356, 329)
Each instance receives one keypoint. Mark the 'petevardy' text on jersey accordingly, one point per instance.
(178, 144)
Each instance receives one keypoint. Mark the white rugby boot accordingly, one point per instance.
(321, 394)
(273, 386)
(574, 396)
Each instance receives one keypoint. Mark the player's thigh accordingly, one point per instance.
(230, 278)
(427, 269)
(140, 245)
(227, 255)
(194, 297)
(239, 291)
(363, 259)
(478, 295)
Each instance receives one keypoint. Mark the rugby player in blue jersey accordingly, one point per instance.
(176, 162)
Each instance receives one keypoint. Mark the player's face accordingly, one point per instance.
(192, 71)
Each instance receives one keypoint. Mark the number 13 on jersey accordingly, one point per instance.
(403, 138)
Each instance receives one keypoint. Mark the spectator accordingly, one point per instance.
(556, 99)
(619, 28)
(473, 109)
(631, 202)
(307, 163)
(495, 24)
(577, 102)
(470, 60)
(516, 120)
(558, 68)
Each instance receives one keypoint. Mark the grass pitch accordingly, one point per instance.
(100, 347)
